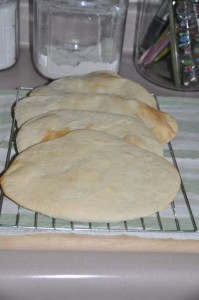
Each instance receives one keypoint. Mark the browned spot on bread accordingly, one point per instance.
(163, 125)
(53, 134)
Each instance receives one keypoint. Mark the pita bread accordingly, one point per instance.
(60, 122)
(90, 176)
(97, 82)
(163, 125)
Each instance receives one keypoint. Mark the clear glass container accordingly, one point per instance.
(77, 37)
(167, 43)
(9, 39)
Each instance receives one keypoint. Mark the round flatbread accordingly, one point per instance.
(59, 122)
(163, 125)
(101, 82)
(88, 175)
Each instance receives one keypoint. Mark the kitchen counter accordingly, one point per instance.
(94, 243)
(141, 265)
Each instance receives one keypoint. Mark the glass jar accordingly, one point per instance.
(73, 37)
(167, 43)
(9, 40)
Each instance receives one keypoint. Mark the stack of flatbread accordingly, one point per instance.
(90, 149)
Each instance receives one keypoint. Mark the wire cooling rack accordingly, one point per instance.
(178, 216)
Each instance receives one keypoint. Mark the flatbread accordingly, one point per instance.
(90, 176)
(97, 82)
(59, 122)
(163, 125)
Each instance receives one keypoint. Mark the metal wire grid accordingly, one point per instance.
(170, 220)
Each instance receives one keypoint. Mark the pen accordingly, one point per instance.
(157, 25)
